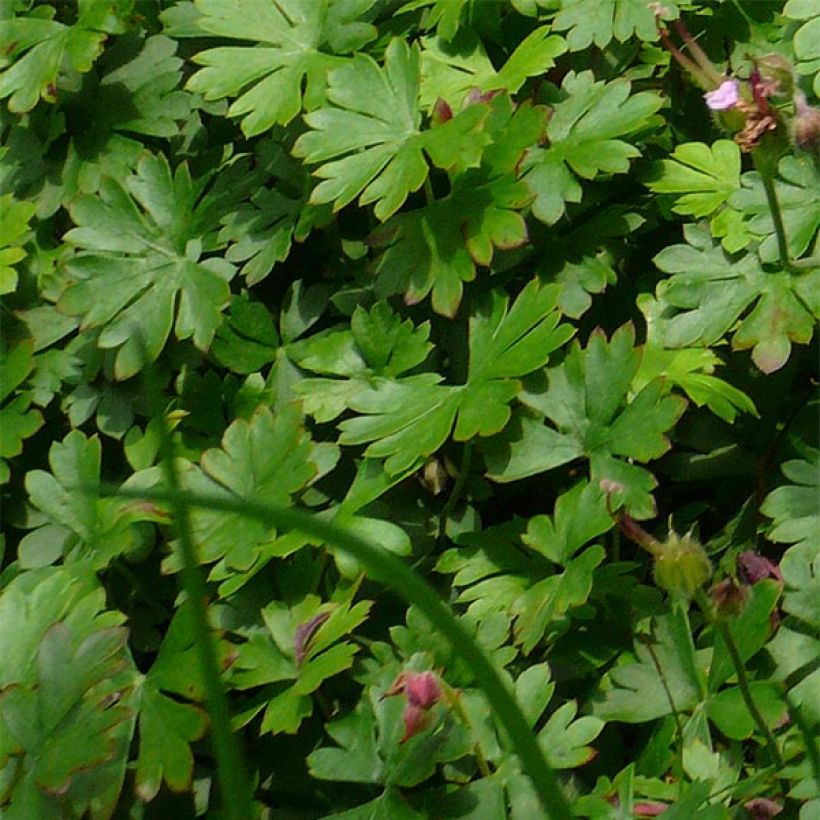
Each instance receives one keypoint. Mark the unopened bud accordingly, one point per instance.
(681, 565)
(806, 125)
(442, 112)
(729, 598)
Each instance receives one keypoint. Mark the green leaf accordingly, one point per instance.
(750, 630)
(79, 526)
(551, 598)
(436, 248)
(451, 68)
(262, 229)
(730, 714)
(18, 421)
(705, 176)
(372, 134)
(794, 506)
(690, 369)
(267, 458)
(167, 723)
(580, 515)
(797, 185)
(407, 420)
(295, 47)
(14, 219)
(585, 134)
(710, 294)
(403, 421)
(389, 346)
(273, 657)
(66, 715)
(601, 21)
(806, 37)
(587, 398)
(663, 679)
(140, 93)
(140, 268)
(247, 339)
(565, 739)
(801, 572)
(53, 52)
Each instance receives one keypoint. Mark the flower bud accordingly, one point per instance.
(729, 598)
(806, 126)
(681, 565)
(423, 691)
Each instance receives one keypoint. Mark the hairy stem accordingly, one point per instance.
(725, 633)
(767, 175)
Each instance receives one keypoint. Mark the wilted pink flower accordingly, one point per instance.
(761, 808)
(753, 567)
(724, 97)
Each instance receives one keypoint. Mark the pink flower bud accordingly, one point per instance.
(422, 689)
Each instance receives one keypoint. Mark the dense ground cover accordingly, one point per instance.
(503, 309)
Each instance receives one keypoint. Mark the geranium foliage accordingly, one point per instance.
(518, 298)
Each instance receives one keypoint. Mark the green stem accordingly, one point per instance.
(235, 787)
(385, 567)
(777, 218)
(458, 487)
(454, 700)
(742, 679)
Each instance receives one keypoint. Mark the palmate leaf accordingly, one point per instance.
(66, 698)
(368, 747)
(268, 458)
(601, 21)
(299, 649)
(691, 368)
(168, 723)
(710, 294)
(140, 269)
(585, 139)
(706, 177)
(436, 249)
(793, 507)
(587, 399)
(372, 134)
(806, 38)
(79, 526)
(262, 229)
(296, 44)
(14, 219)
(406, 420)
(18, 420)
(798, 193)
(635, 692)
(44, 53)
(140, 93)
(450, 69)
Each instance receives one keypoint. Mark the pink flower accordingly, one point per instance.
(725, 96)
